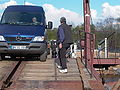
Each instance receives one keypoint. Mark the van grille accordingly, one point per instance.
(18, 39)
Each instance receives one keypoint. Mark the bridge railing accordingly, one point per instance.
(108, 47)
(88, 63)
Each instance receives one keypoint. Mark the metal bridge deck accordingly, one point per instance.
(38, 75)
(46, 71)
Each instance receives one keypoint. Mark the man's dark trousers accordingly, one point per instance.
(62, 55)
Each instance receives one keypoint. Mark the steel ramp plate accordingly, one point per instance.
(47, 85)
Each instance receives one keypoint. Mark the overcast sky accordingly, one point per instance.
(71, 9)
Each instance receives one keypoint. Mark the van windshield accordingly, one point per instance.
(23, 18)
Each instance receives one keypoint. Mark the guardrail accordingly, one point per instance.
(88, 62)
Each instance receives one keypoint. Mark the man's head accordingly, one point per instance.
(34, 19)
(63, 20)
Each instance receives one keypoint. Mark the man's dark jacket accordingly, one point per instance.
(64, 34)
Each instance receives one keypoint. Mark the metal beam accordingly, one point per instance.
(87, 29)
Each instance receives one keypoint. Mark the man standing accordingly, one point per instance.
(64, 39)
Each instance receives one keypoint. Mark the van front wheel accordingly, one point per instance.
(0, 58)
(43, 57)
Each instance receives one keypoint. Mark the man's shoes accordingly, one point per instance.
(58, 66)
(63, 70)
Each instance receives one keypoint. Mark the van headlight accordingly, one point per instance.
(38, 38)
(2, 38)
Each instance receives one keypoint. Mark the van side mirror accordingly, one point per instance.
(50, 25)
(70, 26)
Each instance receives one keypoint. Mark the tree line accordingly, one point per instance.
(101, 29)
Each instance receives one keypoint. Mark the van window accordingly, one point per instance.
(23, 18)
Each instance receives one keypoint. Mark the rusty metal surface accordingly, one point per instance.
(106, 61)
(36, 75)
(96, 85)
(82, 74)
(5, 66)
(18, 71)
(47, 71)
(88, 81)
(116, 86)
(6, 79)
(47, 85)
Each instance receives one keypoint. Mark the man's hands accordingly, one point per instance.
(60, 45)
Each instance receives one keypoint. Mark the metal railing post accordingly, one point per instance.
(106, 48)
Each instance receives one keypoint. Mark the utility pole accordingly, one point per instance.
(87, 30)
